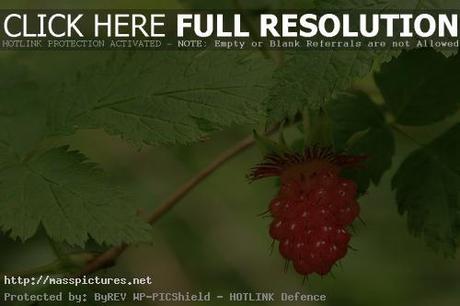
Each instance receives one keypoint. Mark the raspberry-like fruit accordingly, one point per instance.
(313, 208)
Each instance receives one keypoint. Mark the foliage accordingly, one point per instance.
(428, 191)
(312, 78)
(355, 117)
(69, 197)
(144, 97)
(196, 93)
(181, 97)
(410, 89)
(426, 183)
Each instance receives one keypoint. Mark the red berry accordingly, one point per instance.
(276, 207)
(323, 268)
(331, 253)
(295, 227)
(286, 248)
(292, 209)
(291, 188)
(313, 207)
(278, 229)
(317, 196)
(300, 248)
(349, 187)
(341, 238)
(319, 217)
(327, 178)
(346, 215)
(303, 267)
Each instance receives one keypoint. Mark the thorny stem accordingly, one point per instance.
(108, 258)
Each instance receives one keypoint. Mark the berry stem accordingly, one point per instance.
(108, 258)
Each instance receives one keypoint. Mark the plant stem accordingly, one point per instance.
(65, 263)
(108, 258)
(397, 129)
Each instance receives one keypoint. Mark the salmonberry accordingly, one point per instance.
(313, 207)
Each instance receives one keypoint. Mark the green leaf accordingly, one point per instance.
(22, 111)
(58, 189)
(428, 191)
(309, 78)
(358, 122)
(68, 196)
(313, 78)
(156, 97)
(420, 86)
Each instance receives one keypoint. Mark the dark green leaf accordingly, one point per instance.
(428, 191)
(359, 123)
(420, 86)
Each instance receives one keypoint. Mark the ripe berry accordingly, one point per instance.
(278, 229)
(313, 207)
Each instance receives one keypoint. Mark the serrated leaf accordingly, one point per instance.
(309, 78)
(420, 86)
(312, 78)
(356, 113)
(428, 191)
(69, 197)
(155, 97)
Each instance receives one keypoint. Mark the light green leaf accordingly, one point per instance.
(164, 97)
(309, 78)
(68, 196)
(428, 191)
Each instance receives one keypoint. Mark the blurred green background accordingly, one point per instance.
(214, 239)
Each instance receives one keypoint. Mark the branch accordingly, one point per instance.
(109, 257)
